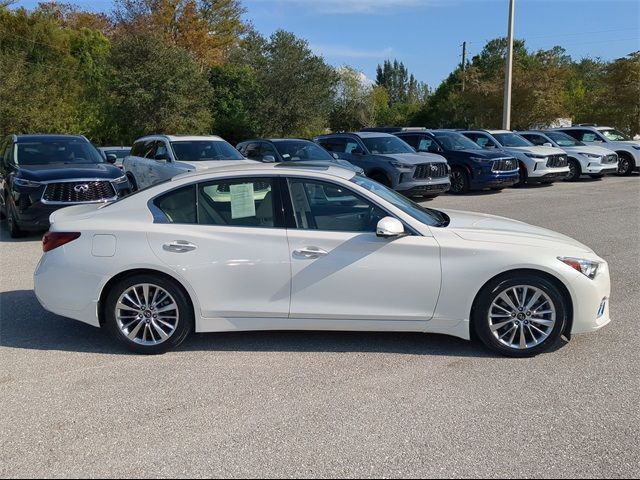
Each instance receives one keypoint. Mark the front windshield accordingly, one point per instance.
(512, 140)
(66, 151)
(204, 150)
(564, 140)
(427, 216)
(614, 135)
(455, 141)
(297, 150)
(387, 145)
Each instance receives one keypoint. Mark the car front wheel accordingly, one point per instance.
(521, 315)
(148, 314)
(625, 165)
(459, 181)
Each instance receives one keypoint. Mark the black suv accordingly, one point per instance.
(42, 173)
(472, 168)
(291, 150)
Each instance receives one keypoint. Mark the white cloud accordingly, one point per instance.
(338, 51)
(344, 7)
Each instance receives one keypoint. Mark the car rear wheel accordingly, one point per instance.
(459, 181)
(574, 171)
(625, 164)
(148, 314)
(521, 315)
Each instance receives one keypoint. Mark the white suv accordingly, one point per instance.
(156, 158)
(537, 164)
(628, 150)
(583, 159)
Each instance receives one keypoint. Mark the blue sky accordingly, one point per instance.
(427, 34)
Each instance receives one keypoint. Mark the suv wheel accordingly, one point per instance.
(459, 181)
(574, 171)
(148, 313)
(520, 315)
(132, 182)
(625, 164)
(523, 176)
(12, 224)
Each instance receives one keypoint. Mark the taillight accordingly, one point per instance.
(53, 240)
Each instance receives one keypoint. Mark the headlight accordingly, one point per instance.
(590, 155)
(536, 156)
(588, 268)
(398, 164)
(21, 182)
(119, 180)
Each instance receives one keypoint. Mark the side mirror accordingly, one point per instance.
(390, 227)
(269, 159)
(335, 156)
(111, 158)
(547, 144)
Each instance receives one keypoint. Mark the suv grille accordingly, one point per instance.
(431, 170)
(556, 161)
(504, 165)
(79, 192)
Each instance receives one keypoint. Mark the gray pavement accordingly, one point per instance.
(275, 404)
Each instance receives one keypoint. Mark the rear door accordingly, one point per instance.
(342, 271)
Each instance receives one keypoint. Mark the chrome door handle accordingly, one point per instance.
(179, 246)
(310, 252)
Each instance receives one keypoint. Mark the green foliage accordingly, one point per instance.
(354, 106)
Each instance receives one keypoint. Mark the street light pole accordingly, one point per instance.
(506, 112)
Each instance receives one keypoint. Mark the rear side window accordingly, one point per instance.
(535, 139)
(480, 139)
(179, 206)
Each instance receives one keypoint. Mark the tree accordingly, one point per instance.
(354, 105)
(155, 88)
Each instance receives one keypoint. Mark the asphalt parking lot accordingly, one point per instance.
(333, 404)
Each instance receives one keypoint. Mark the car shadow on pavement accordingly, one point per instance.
(24, 324)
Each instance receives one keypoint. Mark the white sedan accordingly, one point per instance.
(288, 247)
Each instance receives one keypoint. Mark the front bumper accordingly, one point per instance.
(424, 187)
(590, 300)
(600, 168)
(550, 177)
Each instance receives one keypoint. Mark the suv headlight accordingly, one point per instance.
(398, 164)
(588, 268)
(536, 156)
(120, 180)
(22, 182)
(590, 155)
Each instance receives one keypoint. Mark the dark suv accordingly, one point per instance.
(290, 150)
(388, 160)
(42, 173)
(472, 168)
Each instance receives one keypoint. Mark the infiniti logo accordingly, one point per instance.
(84, 188)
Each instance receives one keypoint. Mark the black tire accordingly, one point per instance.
(524, 320)
(625, 164)
(575, 171)
(12, 224)
(184, 322)
(133, 185)
(459, 181)
(381, 178)
(596, 175)
(522, 180)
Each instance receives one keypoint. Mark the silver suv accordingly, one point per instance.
(628, 150)
(391, 161)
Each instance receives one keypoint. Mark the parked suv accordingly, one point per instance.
(537, 164)
(42, 173)
(472, 168)
(583, 159)
(156, 158)
(291, 150)
(391, 161)
(628, 150)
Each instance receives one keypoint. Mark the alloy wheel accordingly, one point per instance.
(147, 314)
(623, 165)
(457, 181)
(522, 317)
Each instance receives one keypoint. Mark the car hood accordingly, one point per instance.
(203, 165)
(537, 149)
(595, 150)
(480, 227)
(415, 158)
(61, 171)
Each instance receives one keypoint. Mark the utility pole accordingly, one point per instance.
(464, 62)
(506, 112)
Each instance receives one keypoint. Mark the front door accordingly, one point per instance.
(230, 246)
(341, 270)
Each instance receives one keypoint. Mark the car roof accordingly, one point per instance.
(182, 138)
(46, 136)
(356, 134)
(499, 131)
(115, 148)
(280, 168)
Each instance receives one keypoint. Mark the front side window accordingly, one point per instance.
(386, 145)
(511, 140)
(245, 202)
(455, 141)
(564, 140)
(614, 135)
(204, 150)
(337, 145)
(50, 151)
(330, 207)
(481, 140)
(535, 139)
